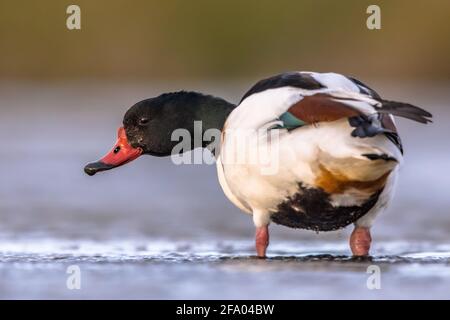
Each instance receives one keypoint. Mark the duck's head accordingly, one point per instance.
(148, 126)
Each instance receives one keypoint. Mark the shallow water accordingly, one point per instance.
(179, 270)
(152, 229)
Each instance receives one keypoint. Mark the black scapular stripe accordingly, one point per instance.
(364, 89)
(288, 79)
(374, 156)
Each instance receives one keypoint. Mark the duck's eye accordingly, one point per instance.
(143, 121)
(116, 150)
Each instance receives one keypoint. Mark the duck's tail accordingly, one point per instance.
(405, 110)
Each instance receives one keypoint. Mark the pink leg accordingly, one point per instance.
(360, 241)
(262, 241)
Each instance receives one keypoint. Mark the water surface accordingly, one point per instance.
(152, 229)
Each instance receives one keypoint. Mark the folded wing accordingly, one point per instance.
(368, 115)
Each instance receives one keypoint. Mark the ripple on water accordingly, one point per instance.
(157, 251)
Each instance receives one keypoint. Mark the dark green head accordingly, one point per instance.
(148, 126)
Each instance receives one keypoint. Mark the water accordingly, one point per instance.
(155, 230)
(227, 270)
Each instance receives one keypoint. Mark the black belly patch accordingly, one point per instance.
(311, 209)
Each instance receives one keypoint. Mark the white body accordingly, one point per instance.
(299, 152)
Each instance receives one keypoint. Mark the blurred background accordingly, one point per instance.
(202, 39)
(63, 94)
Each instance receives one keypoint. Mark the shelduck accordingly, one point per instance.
(307, 150)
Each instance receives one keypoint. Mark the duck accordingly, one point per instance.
(306, 150)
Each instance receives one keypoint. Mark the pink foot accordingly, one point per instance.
(262, 241)
(360, 241)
